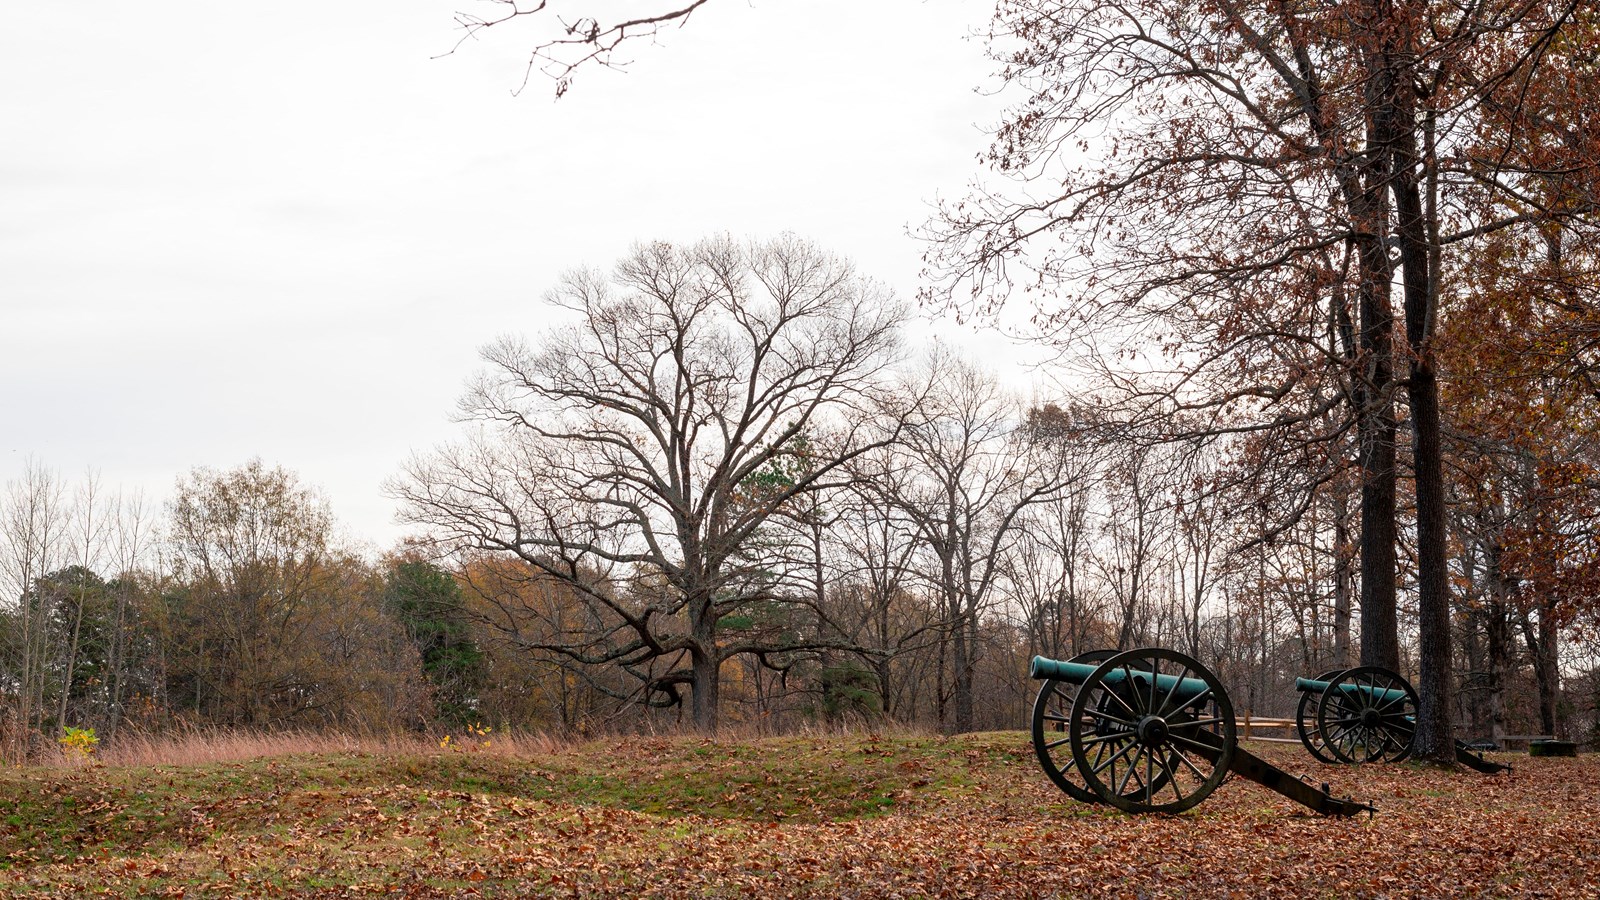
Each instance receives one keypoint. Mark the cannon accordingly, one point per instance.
(1149, 730)
(1363, 715)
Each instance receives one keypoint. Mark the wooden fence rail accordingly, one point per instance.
(1250, 724)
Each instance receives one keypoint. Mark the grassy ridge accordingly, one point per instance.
(63, 812)
(835, 816)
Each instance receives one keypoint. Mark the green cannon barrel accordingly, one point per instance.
(1074, 673)
(1078, 673)
(1384, 695)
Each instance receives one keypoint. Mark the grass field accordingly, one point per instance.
(840, 816)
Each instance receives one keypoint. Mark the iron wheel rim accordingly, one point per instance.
(1305, 721)
(1166, 743)
(1051, 743)
(1361, 725)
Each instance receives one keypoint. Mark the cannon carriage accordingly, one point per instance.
(1366, 714)
(1149, 730)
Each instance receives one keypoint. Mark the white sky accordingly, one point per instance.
(283, 230)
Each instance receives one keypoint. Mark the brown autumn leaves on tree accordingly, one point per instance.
(1264, 219)
(266, 621)
(1250, 186)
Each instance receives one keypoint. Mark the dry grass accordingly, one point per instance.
(191, 748)
(202, 746)
(195, 747)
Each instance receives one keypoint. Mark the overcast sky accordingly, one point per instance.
(283, 229)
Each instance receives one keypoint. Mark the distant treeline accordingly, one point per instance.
(726, 492)
(234, 604)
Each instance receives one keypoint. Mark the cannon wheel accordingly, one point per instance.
(1360, 726)
(1136, 745)
(1305, 722)
(1050, 740)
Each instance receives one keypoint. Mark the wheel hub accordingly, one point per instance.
(1371, 718)
(1152, 731)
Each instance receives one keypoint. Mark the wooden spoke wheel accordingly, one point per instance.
(1368, 714)
(1050, 740)
(1152, 730)
(1305, 721)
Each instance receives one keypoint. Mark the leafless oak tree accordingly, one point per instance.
(637, 454)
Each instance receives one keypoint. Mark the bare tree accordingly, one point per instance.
(637, 454)
(130, 543)
(1050, 569)
(972, 475)
(1137, 528)
(88, 536)
(876, 544)
(33, 543)
(64, 639)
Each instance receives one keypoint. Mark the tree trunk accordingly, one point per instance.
(1193, 624)
(1549, 645)
(880, 667)
(881, 664)
(1343, 576)
(1380, 627)
(963, 651)
(116, 660)
(70, 663)
(1475, 690)
(1396, 122)
(1497, 636)
(707, 670)
(705, 663)
(1543, 646)
(1363, 184)
(1435, 737)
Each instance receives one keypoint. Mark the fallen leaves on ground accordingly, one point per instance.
(829, 817)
